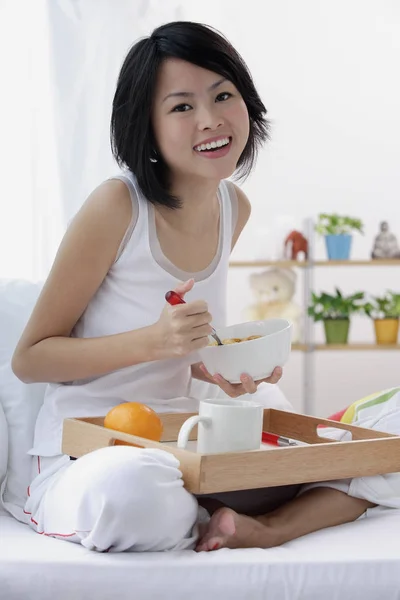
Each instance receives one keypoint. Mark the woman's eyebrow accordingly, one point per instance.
(190, 94)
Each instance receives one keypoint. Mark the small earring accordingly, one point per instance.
(153, 160)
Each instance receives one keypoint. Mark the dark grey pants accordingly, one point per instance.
(250, 502)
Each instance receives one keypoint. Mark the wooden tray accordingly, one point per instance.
(368, 453)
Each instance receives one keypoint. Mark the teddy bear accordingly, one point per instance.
(273, 290)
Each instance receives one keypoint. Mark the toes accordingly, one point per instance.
(219, 531)
(209, 545)
(201, 547)
(214, 544)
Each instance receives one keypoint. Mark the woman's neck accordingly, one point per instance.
(199, 204)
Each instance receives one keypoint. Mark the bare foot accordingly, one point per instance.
(228, 529)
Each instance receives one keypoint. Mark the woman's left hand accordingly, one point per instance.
(247, 385)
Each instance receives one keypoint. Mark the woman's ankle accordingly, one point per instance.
(276, 531)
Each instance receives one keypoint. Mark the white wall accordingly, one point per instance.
(328, 74)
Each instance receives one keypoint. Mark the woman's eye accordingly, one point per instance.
(223, 96)
(181, 108)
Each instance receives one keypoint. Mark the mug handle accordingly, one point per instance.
(187, 427)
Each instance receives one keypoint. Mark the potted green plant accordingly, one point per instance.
(385, 312)
(337, 231)
(335, 312)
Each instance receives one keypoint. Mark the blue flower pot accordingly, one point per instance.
(338, 246)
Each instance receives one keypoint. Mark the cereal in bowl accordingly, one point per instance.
(227, 341)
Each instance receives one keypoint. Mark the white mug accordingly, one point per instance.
(225, 426)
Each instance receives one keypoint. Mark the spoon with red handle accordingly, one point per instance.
(174, 298)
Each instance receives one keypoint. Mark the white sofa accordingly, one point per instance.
(358, 560)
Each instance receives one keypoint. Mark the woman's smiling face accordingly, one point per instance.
(200, 121)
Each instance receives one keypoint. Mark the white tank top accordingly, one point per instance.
(130, 297)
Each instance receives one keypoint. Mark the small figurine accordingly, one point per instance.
(297, 243)
(385, 244)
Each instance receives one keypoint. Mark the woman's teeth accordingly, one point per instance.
(212, 145)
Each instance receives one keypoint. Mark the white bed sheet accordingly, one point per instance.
(358, 561)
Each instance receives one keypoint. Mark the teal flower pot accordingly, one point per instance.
(338, 246)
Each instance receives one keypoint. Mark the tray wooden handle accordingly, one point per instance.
(305, 428)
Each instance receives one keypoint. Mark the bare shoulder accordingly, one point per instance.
(110, 200)
(244, 206)
(243, 213)
(102, 220)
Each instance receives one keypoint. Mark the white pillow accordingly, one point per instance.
(3, 451)
(270, 395)
(3, 445)
(20, 402)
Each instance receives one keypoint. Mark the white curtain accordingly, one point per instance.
(59, 60)
(30, 215)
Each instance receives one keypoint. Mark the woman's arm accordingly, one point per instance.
(45, 351)
(248, 386)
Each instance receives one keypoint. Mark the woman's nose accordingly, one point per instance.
(209, 118)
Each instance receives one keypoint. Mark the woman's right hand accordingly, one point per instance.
(183, 328)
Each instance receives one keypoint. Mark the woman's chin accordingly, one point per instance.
(219, 169)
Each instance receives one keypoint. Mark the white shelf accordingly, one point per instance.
(358, 263)
(268, 263)
(318, 263)
(344, 347)
(300, 347)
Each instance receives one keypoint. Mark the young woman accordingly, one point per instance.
(186, 116)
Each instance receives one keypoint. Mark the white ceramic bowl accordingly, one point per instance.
(257, 358)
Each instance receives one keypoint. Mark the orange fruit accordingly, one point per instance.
(136, 419)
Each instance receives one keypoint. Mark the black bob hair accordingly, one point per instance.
(132, 139)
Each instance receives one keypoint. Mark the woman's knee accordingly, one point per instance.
(135, 499)
(134, 480)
